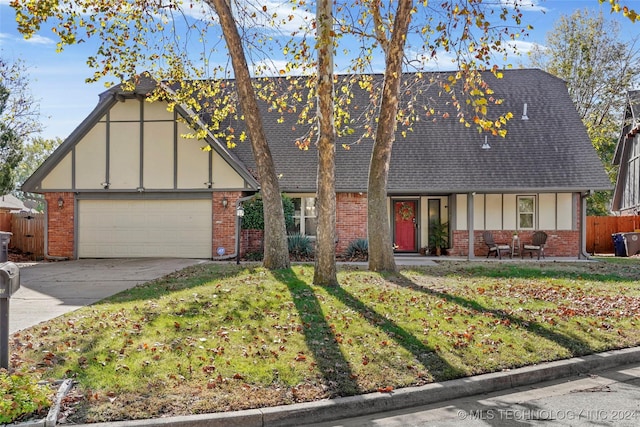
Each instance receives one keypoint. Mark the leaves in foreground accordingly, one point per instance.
(204, 339)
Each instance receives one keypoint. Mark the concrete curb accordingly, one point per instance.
(346, 407)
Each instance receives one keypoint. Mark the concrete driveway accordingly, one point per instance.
(50, 289)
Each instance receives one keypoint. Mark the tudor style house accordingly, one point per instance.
(126, 183)
(626, 194)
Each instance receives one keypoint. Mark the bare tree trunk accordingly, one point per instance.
(276, 255)
(380, 244)
(325, 257)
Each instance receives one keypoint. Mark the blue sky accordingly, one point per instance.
(58, 79)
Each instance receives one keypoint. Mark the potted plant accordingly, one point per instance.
(439, 236)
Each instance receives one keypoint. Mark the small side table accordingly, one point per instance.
(515, 246)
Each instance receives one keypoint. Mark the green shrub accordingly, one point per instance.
(254, 256)
(357, 250)
(20, 395)
(300, 246)
(254, 215)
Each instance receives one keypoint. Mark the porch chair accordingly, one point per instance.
(495, 247)
(538, 241)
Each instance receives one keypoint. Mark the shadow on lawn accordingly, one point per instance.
(597, 271)
(437, 366)
(576, 346)
(319, 336)
(322, 341)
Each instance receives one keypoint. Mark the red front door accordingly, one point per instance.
(405, 220)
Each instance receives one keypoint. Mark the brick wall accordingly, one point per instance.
(351, 219)
(560, 243)
(224, 221)
(60, 236)
(351, 224)
(252, 241)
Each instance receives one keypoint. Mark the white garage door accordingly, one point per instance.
(144, 228)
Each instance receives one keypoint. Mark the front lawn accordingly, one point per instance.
(220, 337)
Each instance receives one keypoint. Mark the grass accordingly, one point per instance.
(203, 339)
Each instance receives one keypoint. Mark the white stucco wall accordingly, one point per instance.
(553, 211)
(152, 153)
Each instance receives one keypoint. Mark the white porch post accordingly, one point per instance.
(470, 252)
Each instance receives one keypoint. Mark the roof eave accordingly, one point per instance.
(32, 183)
(215, 144)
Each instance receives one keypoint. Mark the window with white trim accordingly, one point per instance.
(631, 190)
(526, 212)
(304, 217)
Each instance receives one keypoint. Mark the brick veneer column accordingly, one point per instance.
(351, 218)
(60, 232)
(224, 221)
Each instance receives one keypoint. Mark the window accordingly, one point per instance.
(526, 212)
(631, 192)
(304, 217)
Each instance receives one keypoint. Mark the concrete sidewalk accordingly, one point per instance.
(51, 289)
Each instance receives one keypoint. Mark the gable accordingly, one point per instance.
(133, 144)
(129, 144)
(626, 193)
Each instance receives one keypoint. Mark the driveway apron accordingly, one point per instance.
(50, 289)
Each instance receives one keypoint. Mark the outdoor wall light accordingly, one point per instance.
(240, 211)
(225, 202)
(105, 185)
(60, 202)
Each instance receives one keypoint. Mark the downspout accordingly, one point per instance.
(583, 225)
(237, 245)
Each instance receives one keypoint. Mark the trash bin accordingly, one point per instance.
(631, 243)
(5, 236)
(618, 244)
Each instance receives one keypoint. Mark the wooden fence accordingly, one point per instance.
(27, 232)
(5, 221)
(600, 229)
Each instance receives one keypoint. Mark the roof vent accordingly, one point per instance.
(524, 112)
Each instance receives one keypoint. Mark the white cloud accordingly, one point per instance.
(441, 61)
(268, 15)
(524, 5)
(38, 39)
(523, 47)
(10, 40)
